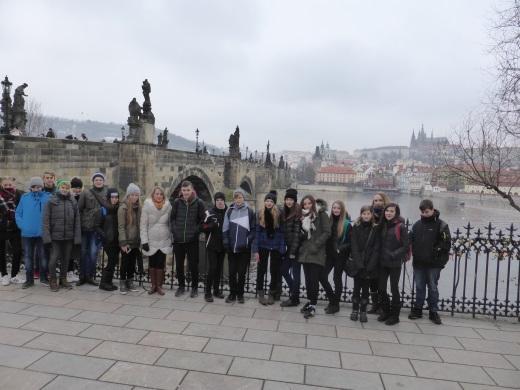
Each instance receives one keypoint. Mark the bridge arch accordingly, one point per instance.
(247, 185)
(201, 183)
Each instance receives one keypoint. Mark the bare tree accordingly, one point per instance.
(35, 120)
(483, 153)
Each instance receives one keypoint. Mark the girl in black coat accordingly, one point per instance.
(109, 233)
(394, 247)
(365, 249)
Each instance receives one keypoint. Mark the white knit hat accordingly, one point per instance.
(36, 181)
(133, 189)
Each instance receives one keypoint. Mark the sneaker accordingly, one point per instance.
(131, 286)
(240, 299)
(392, 320)
(18, 279)
(231, 298)
(415, 314)
(45, 282)
(5, 280)
(179, 292)
(305, 307)
(194, 293)
(219, 295)
(331, 309)
(310, 312)
(71, 277)
(434, 317)
(208, 298)
(122, 287)
(383, 317)
(27, 284)
(354, 316)
(289, 303)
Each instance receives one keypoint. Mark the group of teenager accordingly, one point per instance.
(58, 221)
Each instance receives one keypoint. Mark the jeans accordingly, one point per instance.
(291, 271)
(393, 274)
(238, 263)
(15, 241)
(275, 259)
(128, 262)
(428, 276)
(89, 252)
(60, 254)
(33, 248)
(214, 270)
(190, 250)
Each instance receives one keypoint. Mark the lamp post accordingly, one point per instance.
(197, 143)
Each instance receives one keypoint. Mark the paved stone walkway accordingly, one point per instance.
(88, 339)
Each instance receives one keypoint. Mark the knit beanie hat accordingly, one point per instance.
(61, 182)
(36, 181)
(291, 193)
(98, 174)
(112, 192)
(219, 195)
(239, 191)
(76, 182)
(272, 195)
(132, 189)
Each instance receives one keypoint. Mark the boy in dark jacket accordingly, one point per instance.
(108, 230)
(431, 243)
(212, 226)
(188, 213)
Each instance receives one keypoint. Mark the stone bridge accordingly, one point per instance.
(147, 165)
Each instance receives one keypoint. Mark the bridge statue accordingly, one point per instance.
(234, 144)
(141, 120)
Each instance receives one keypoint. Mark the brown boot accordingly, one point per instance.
(53, 284)
(153, 277)
(64, 283)
(159, 280)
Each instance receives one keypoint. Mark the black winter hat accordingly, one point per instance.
(291, 193)
(76, 182)
(112, 191)
(271, 195)
(219, 195)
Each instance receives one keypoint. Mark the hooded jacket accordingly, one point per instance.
(339, 246)
(431, 242)
(212, 227)
(128, 233)
(313, 249)
(29, 213)
(366, 247)
(108, 228)
(155, 227)
(186, 218)
(239, 228)
(61, 220)
(394, 250)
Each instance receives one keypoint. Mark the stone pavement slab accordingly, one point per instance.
(264, 369)
(217, 331)
(507, 378)
(271, 385)
(18, 357)
(340, 345)
(72, 365)
(114, 333)
(59, 313)
(12, 307)
(95, 317)
(450, 371)
(84, 304)
(239, 348)
(405, 351)
(17, 337)
(483, 359)
(177, 341)
(315, 357)
(12, 378)
(201, 380)
(490, 346)
(56, 326)
(14, 320)
(127, 352)
(189, 360)
(279, 338)
(396, 382)
(63, 343)
(341, 379)
(67, 382)
(387, 365)
(158, 325)
(144, 375)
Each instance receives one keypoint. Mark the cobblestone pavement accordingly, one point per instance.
(89, 339)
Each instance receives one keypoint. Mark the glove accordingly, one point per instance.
(146, 247)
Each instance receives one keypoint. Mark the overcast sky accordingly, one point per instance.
(354, 73)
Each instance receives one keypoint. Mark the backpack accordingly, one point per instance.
(408, 254)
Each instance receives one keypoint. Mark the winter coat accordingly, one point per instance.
(263, 241)
(8, 203)
(29, 213)
(313, 249)
(128, 234)
(61, 220)
(89, 204)
(365, 249)
(431, 242)
(186, 219)
(292, 227)
(239, 228)
(155, 228)
(393, 250)
(212, 227)
(108, 229)
(339, 246)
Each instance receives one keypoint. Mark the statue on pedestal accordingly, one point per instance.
(147, 104)
(234, 144)
(6, 106)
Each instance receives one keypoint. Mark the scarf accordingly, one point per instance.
(158, 205)
(7, 203)
(308, 222)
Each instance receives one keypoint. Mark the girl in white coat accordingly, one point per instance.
(156, 236)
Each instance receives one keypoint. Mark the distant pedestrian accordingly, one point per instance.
(431, 242)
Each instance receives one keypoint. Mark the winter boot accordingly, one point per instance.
(179, 292)
(332, 307)
(105, 284)
(355, 309)
(271, 297)
(53, 284)
(434, 317)
(305, 307)
(289, 303)
(159, 280)
(376, 307)
(64, 283)
(153, 279)
(363, 310)
(310, 312)
(385, 313)
(415, 313)
(122, 287)
(131, 286)
(261, 297)
(394, 315)
(194, 292)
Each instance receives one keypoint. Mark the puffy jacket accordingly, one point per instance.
(155, 228)
(313, 249)
(262, 239)
(365, 249)
(339, 246)
(292, 227)
(212, 227)
(394, 250)
(108, 228)
(61, 220)
(89, 204)
(128, 233)
(186, 219)
(7, 211)
(431, 242)
(29, 213)
(239, 228)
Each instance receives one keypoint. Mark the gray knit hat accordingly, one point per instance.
(239, 191)
(36, 181)
(133, 189)
(98, 174)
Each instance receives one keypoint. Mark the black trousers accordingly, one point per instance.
(190, 250)
(334, 263)
(274, 269)
(360, 293)
(157, 260)
(214, 270)
(75, 257)
(313, 274)
(112, 260)
(60, 256)
(393, 274)
(128, 262)
(15, 241)
(238, 263)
